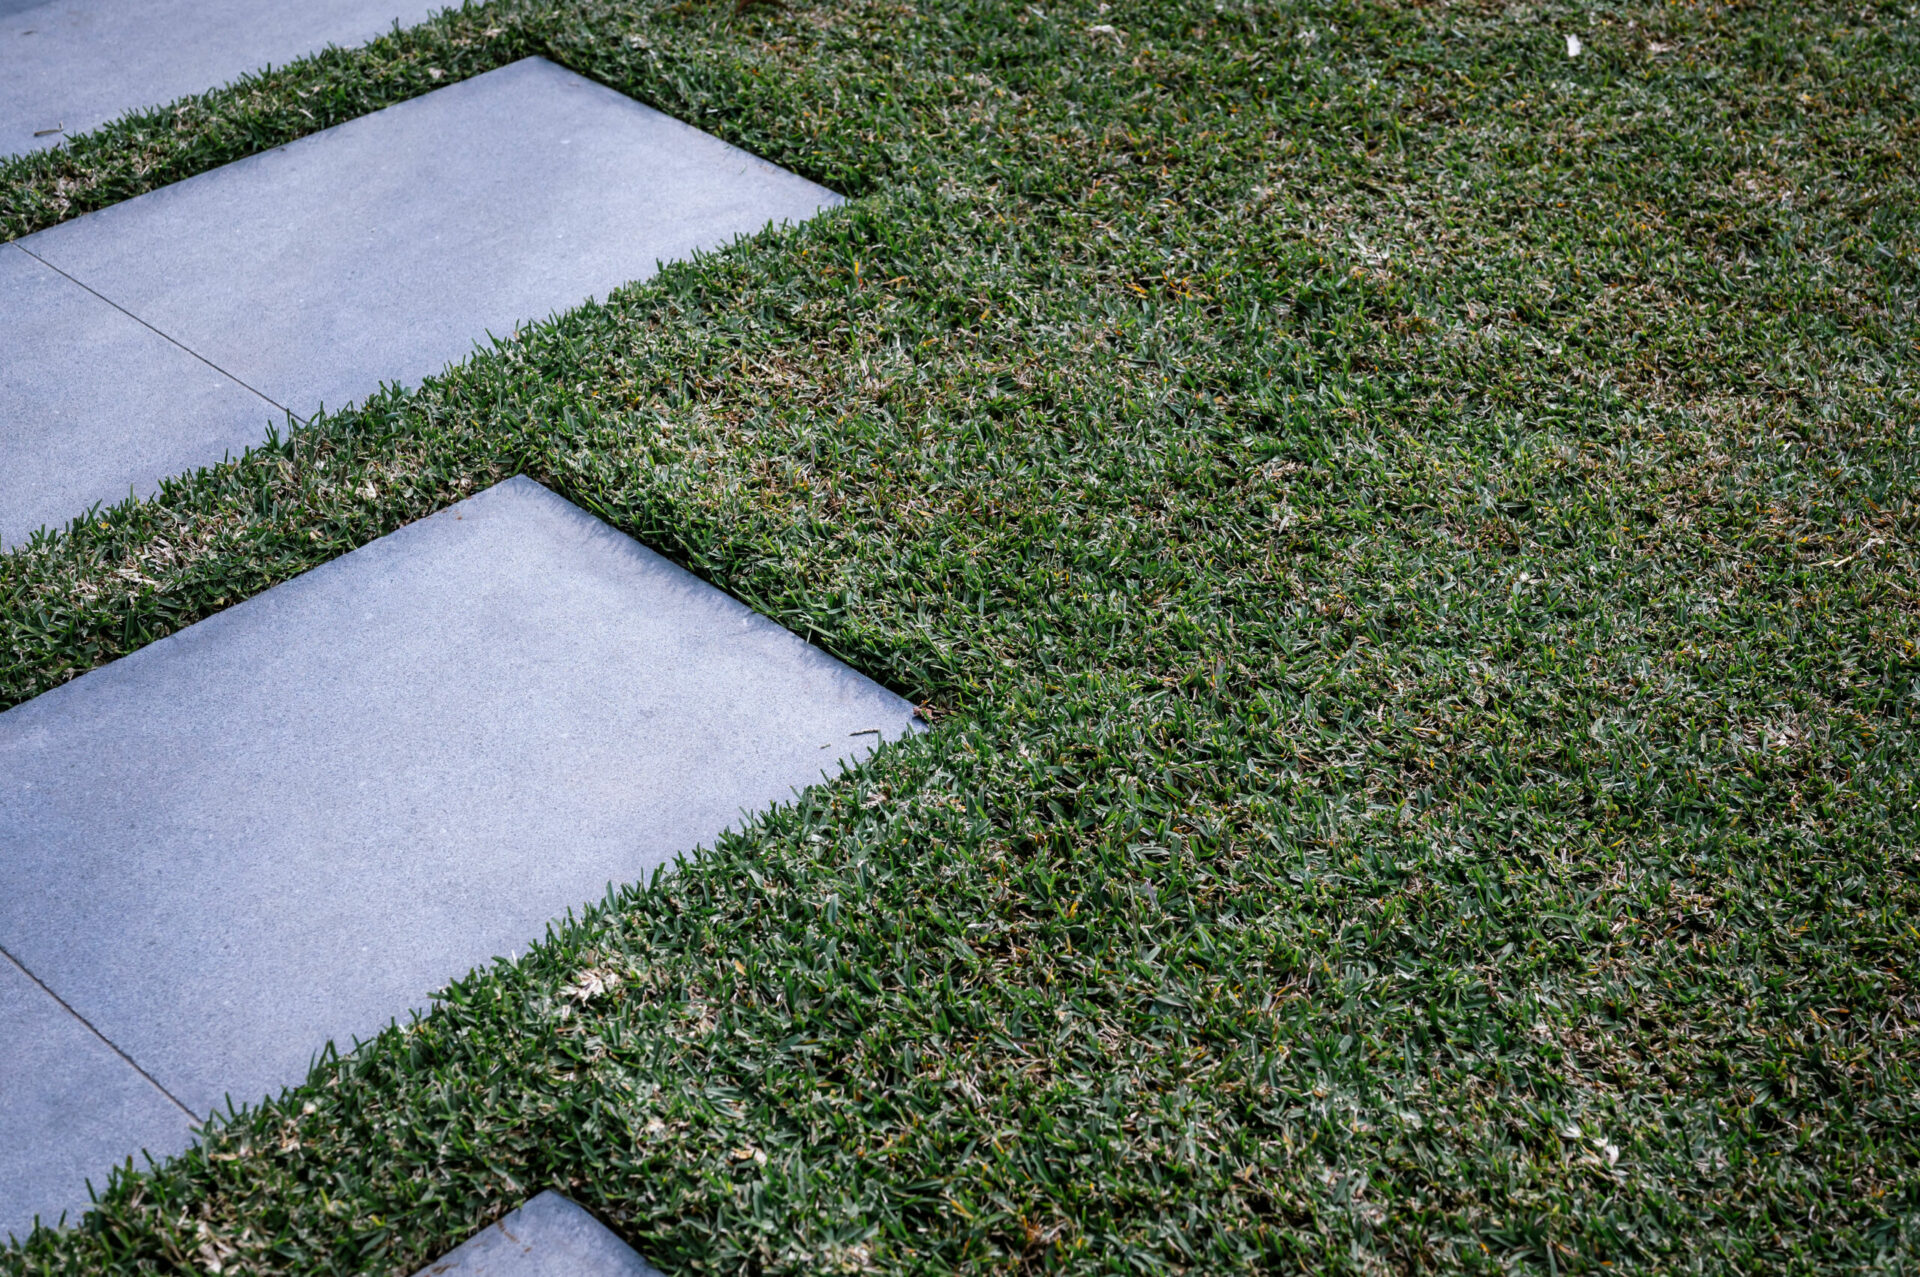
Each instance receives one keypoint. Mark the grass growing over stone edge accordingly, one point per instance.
(149, 149)
(1409, 539)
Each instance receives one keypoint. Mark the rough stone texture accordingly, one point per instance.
(290, 822)
(383, 249)
(94, 404)
(77, 64)
(548, 1237)
(71, 1109)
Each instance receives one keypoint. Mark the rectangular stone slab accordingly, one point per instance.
(95, 405)
(71, 1109)
(73, 65)
(289, 822)
(377, 251)
(548, 1237)
(383, 249)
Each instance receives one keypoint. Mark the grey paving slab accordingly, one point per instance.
(548, 1237)
(383, 249)
(71, 1109)
(291, 821)
(95, 405)
(68, 66)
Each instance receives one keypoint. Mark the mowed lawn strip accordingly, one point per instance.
(1407, 537)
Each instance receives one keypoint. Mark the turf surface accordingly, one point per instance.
(1408, 537)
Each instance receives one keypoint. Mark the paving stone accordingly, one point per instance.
(71, 1109)
(383, 249)
(378, 251)
(291, 821)
(548, 1237)
(97, 405)
(73, 65)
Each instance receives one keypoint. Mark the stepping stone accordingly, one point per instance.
(381, 250)
(71, 1108)
(548, 1237)
(290, 822)
(69, 66)
(96, 402)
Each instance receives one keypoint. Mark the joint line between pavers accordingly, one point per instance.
(111, 1046)
(164, 336)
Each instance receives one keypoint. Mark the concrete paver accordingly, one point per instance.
(291, 821)
(95, 405)
(383, 249)
(69, 66)
(548, 1237)
(71, 1109)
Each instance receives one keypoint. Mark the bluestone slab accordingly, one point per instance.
(68, 66)
(383, 249)
(95, 405)
(548, 1237)
(291, 821)
(71, 1109)
(377, 251)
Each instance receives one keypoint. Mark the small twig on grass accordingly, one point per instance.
(1840, 563)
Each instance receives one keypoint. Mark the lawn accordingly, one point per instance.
(1408, 538)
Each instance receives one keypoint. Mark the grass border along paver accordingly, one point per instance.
(98, 404)
(548, 1237)
(375, 252)
(74, 1108)
(288, 824)
(69, 66)
(1409, 535)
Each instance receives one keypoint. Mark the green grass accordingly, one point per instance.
(1409, 540)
